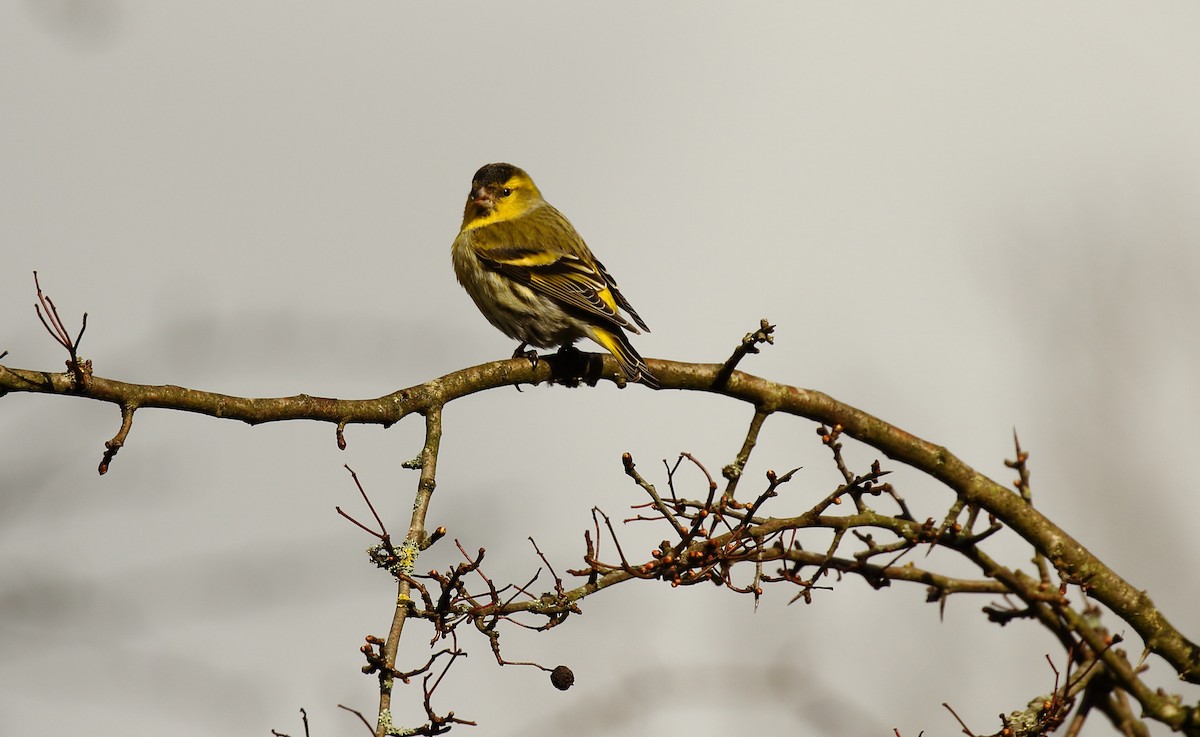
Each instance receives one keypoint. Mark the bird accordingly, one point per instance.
(534, 278)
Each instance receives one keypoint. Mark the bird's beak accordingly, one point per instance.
(481, 197)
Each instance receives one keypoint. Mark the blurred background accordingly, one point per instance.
(963, 218)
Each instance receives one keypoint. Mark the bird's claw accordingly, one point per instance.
(531, 354)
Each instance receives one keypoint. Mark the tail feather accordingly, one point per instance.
(617, 343)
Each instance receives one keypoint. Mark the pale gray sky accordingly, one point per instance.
(963, 217)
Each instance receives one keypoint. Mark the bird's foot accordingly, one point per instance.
(531, 354)
(570, 366)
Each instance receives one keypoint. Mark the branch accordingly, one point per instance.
(1071, 560)
(1068, 555)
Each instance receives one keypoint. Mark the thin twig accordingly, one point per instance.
(749, 344)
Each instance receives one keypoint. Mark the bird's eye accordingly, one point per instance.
(505, 192)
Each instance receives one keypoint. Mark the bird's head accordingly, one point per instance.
(499, 192)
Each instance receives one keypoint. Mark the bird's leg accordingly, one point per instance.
(569, 365)
(531, 354)
(569, 352)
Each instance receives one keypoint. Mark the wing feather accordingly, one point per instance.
(545, 253)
